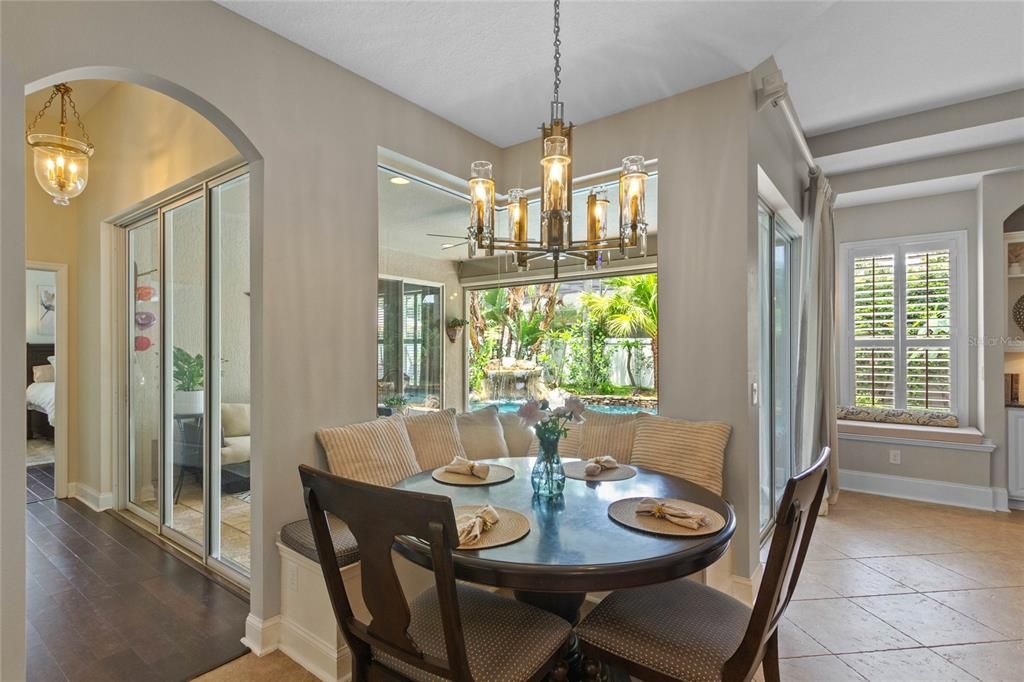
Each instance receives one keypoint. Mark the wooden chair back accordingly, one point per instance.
(794, 524)
(376, 515)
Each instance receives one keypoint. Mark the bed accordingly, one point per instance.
(40, 396)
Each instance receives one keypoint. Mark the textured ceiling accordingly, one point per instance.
(487, 66)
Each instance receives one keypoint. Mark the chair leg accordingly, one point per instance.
(770, 663)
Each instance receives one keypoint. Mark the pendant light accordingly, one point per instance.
(61, 163)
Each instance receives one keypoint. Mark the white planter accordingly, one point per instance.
(188, 402)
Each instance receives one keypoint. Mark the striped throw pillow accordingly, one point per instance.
(435, 438)
(691, 450)
(607, 434)
(377, 452)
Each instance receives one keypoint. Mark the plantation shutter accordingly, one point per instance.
(902, 350)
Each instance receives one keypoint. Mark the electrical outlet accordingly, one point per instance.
(894, 457)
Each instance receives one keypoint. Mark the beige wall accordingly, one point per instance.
(405, 265)
(310, 234)
(963, 467)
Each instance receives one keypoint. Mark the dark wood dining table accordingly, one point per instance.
(573, 546)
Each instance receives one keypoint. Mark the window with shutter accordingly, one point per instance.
(902, 323)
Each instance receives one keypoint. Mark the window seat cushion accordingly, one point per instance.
(903, 417)
(964, 434)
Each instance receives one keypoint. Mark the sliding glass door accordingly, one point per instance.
(779, 268)
(188, 455)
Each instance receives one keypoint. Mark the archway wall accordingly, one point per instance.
(310, 130)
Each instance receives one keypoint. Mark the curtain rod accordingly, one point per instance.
(775, 92)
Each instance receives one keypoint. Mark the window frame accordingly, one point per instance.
(442, 287)
(956, 242)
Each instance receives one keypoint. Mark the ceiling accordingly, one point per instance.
(486, 66)
(407, 213)
(85, 93)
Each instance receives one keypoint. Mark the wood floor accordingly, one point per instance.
(39, 482)
(105, 603)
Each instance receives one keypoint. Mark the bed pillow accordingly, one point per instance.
(481, 434)
(377, 452)
(434, 438)
(52, 359)
(607, 434)
(691, 450)
(43, 374)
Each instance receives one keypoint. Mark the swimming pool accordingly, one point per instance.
(611, 409)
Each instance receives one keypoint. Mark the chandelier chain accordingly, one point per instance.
(41, 113)
(558, 48)
(78, 119)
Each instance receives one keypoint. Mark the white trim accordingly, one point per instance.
(924, 490)
(1015, 504)
(987, 446)
(956, 241)
(62, 348)
(88, 496)
(309, 651)
(262, 636)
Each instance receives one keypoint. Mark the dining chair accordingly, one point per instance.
(450, 631)
(683, 630)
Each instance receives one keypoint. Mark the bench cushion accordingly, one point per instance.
(298, 535)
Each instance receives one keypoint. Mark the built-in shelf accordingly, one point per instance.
(1016, 346)
(1016, 276)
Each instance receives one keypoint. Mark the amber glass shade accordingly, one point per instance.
(555, 194)
(517, 216)
(481, 196)
(61, 165)
(632, 192)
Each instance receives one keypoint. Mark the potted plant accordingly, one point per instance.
(454, 327)
(189, 375)
(396, 403)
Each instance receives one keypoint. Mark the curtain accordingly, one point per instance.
(816, 361)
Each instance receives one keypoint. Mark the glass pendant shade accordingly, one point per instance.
(597, 228)
(555, 195)
(481, 207)
(61, 165)
(632, 193)
(517, 216)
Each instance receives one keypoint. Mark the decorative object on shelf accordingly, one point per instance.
(1012, 388)
(144, 294)
(454, 327)
(142, 343)
(1018, 313)
(61, 163)
(548, 476)
(398, 404)
(145, 319)
(1015, 269)
(189, 377)
(556, 215)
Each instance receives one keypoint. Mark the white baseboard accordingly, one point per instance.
(262, 636)
(88, 495)
(1015, 504)
(924, 490)
(315, 655)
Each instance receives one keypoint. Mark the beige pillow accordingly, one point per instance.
(234, 419)
(691, 450)
(608, 434)
(482, 434)
(44, 374)
(569, 446)
(377, 452)
(434, 438)
(517, 436)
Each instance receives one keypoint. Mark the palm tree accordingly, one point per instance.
(631, 307)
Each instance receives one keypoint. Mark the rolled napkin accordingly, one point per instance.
(467, 467)
(681, 516)
(596, 465)
(472, 526)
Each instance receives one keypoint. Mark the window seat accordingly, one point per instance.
(966, 435)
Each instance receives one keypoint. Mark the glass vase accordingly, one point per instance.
(548, 477)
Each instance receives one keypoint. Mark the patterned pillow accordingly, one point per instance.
(608, 434)
(377, 452)
(887, 416)
(691, 450)
(434, 437)
(481, 434)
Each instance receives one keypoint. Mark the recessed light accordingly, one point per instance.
(399, 180)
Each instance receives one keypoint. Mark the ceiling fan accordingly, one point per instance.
(460, 240)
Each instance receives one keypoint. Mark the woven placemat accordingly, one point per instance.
(578, 471)
(511, 526)
(624, 512)
(497, 474)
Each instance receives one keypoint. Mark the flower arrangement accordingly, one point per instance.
(548, 476)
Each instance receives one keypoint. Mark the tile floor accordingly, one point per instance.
(893, 591)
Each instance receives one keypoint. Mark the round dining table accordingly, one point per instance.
(573, 546)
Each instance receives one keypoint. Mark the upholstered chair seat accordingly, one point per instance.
(506, 640)
(681, 629)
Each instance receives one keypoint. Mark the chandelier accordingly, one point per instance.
(61, 163)
(557, 240)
